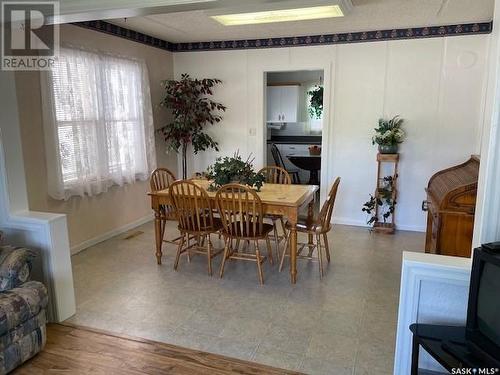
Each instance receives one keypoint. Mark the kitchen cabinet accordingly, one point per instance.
(282, 103)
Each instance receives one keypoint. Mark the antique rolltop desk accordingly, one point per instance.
(450, 206)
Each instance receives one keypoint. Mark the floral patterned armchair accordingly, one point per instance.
(22, 309)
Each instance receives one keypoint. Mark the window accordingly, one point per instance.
(98, 123)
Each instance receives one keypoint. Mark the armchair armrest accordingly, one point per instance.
(15, 266)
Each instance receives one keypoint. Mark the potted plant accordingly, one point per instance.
(234, 170)
(192, 109)
(388, 135)
(316, 102)
(384, 199)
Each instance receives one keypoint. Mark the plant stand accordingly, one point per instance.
(387, 227)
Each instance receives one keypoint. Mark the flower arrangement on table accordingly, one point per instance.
(388, 135)
(234, 169)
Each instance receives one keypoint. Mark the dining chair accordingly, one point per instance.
(318, 227)
(278, 160)
(194, 213)
(161, 179)
(241, 212)
(276, 175)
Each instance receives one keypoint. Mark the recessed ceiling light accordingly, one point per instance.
(281, 15)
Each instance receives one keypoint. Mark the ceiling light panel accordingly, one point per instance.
(280, 15)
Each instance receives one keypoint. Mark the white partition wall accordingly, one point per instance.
(44, 232)
(434, 290)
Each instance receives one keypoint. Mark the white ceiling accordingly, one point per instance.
(194, 26)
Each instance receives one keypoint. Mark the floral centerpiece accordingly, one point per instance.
(234, 170)
(388, 135)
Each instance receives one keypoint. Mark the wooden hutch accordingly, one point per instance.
(451, 203)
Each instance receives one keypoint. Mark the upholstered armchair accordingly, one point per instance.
(22, 309)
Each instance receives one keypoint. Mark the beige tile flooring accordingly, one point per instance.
(343, 324)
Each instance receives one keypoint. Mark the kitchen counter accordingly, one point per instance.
(296, 139)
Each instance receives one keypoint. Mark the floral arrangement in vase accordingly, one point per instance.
(234, 170)
(314, 150)
(388, 135)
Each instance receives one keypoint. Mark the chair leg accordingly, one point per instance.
(259, 263)
(276, 238)
(327, 250)
(209, 254)
(179, 250)
(225, 256)
(270, 251)
(283, 226)
(285, 248)
(163, 226)
(320, 255)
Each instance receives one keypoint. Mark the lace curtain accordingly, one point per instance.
(98, 123)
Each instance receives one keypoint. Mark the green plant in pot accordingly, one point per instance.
(233, 169)
(388, 135)
(192, 109)
(315, 102)
(384, 199)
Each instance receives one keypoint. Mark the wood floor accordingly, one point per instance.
(79, 350)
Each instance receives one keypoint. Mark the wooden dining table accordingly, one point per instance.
(285, 200)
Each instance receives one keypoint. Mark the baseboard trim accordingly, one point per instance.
(106, 236)
(359, 223)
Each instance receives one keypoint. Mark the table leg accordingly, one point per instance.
(293, 253)
(414, 356)
(158, 236)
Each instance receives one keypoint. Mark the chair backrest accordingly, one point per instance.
(276, 175)
(192, 206)
(325, 215)
(278, 160)
(240, 209)
(161, 179)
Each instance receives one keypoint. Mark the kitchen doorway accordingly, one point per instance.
(293, 125)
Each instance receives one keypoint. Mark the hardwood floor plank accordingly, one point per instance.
(79, 350)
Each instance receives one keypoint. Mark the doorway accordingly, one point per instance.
(293, 125)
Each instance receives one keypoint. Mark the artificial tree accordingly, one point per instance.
(192, 109)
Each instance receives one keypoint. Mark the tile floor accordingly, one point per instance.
(344, 324)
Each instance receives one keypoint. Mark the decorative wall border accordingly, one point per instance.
(122, 32)
(297, 41)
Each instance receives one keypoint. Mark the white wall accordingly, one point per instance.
(45, 232)
(437, 85)
(487, 220)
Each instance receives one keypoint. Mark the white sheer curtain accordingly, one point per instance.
(98, 123)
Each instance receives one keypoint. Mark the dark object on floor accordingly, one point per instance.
(78, 350)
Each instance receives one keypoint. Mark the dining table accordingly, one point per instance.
(277, 199)
(311, 163)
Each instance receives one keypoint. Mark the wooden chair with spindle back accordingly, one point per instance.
(276, 175)
(278, 160)
(195, 216)
(319, 226)
(241, 212)
(161, 179)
